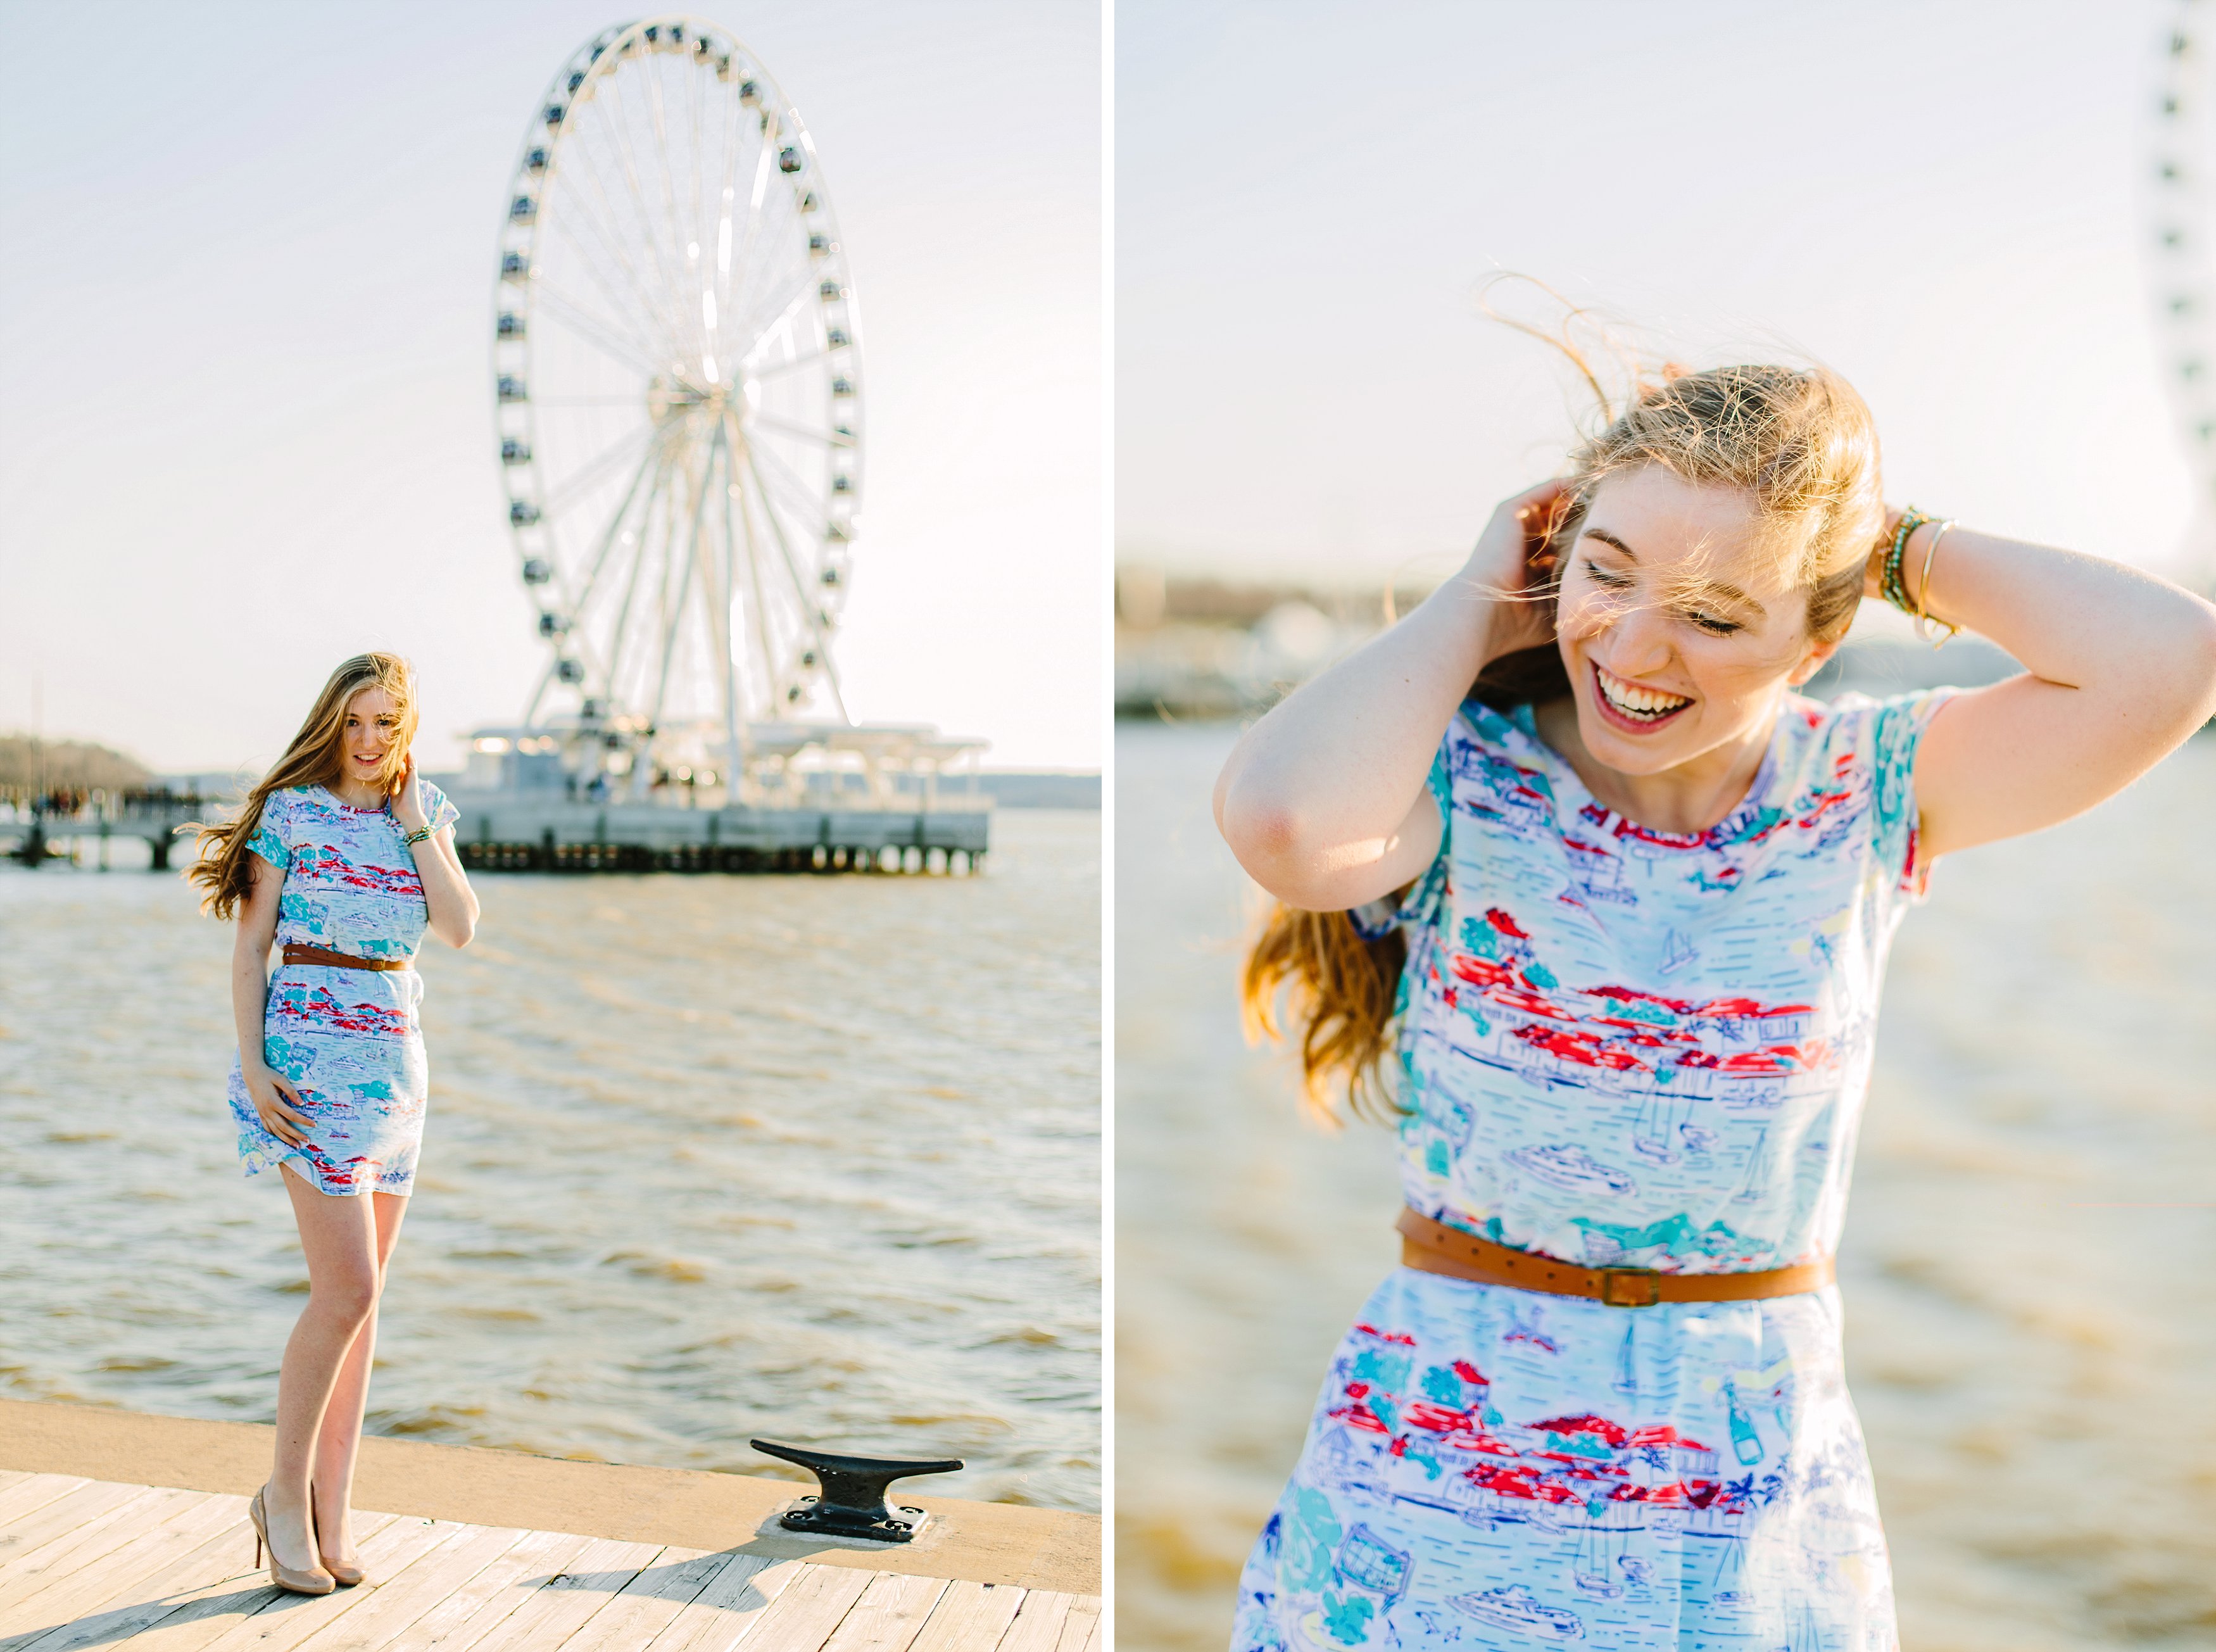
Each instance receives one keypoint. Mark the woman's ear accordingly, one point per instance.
(1812, 663)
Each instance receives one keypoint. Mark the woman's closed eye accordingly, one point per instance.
(1714, 624)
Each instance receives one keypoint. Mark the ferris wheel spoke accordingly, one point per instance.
(668, 190)
(642, 553)
(604, 223)
(618, 351)
(759, 609)
(620, 119)
(800, 292)
(673, 605)
(799, 432)
(590, 472)
(641, 301)
(772, 274)
(811, 504)
(811, 613)
(574, 313)
(775, 369)
(758, 205)
(651, 461)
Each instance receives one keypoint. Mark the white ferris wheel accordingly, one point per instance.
(678, 396)
(2183, 205)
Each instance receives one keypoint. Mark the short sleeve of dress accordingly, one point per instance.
(1896, 734)
(268, 837)
(438, 808)
(1418, 904)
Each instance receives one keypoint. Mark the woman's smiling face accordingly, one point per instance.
(372, 728)
(1678, 639)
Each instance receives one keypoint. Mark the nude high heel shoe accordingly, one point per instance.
(314, 1582)
(345, 1575)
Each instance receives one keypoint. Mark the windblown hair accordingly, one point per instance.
(1799, 443)
(316, 756)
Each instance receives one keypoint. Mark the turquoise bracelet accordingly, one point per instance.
(409, 839)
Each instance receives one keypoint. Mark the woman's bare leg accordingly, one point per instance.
(338, 1235)
(340, 1439)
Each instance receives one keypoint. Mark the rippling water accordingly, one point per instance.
(2027, 1270)
(816, 1159)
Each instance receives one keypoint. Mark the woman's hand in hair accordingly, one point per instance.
(1323, 800)
(279, 1105)
(408, 799)
(1516, 555)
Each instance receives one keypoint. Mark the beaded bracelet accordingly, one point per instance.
(1889, 583)
(409, 839)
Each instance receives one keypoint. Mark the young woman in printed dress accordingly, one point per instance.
(1620, 912)
(341, 857)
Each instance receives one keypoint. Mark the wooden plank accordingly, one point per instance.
(1081, 1633)
(281, 1620)
(86, 1545)
(470, 1612)
(9, 1476)
(562, 1606)
(66, 1513)
(807, 1610)
(969, 1617)
(88, 1583)
(161, 1610)
(724, 1612)
(888, 1615)
(649, 1602)
(34, 1492)
(1040, 1617)
(398, 1601)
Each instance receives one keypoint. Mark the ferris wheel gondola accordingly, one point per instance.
(677, 394)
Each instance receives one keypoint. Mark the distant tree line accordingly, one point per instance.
(67, 765)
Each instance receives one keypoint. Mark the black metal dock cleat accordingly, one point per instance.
(852, 1503)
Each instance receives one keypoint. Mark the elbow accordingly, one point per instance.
(1263, 830)
(458, 935)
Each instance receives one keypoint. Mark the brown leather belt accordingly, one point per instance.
(1435, 1247)
(297, 953)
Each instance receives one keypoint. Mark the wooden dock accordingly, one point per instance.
(88, 1563)
(119, 1528)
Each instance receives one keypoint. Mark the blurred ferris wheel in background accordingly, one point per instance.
(677, 388)
(2184, 203)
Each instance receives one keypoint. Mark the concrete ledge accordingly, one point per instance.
(981, 1543)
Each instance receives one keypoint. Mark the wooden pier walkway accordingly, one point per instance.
(88, 1563)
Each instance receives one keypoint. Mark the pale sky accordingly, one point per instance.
(1950, 203)
(246, 272)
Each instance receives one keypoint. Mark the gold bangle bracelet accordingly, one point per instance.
(1924, 618)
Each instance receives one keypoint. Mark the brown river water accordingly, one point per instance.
(816, 1159)
(2028, 1270)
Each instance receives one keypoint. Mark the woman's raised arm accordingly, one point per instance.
(1323, 800)
(2120, 667)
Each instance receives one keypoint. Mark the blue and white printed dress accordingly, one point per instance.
(347, 1040)
(1617, 1046)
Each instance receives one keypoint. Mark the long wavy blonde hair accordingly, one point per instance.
(316, 756)
(1798, 442)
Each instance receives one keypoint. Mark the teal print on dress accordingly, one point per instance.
(1347, 1617)
(1443, 1386)
(1481, 938)
(1382, 1369)
(1674, 1234)
(1311, 1535)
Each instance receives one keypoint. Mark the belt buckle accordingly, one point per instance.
(1614, 1280)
